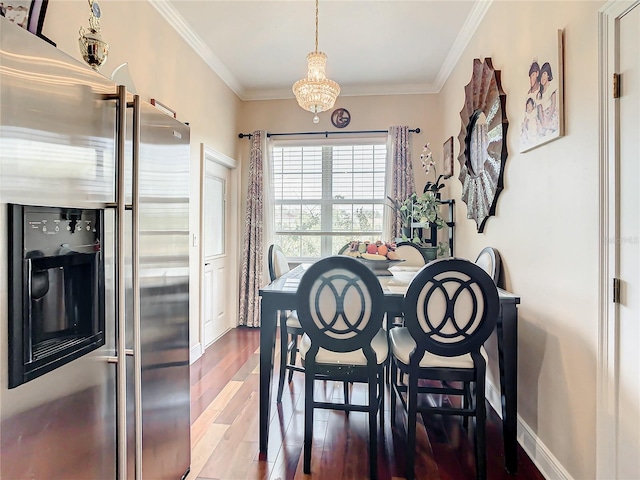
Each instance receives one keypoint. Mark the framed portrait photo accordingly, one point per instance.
(27, 14)
(542, 107)
(447, 158)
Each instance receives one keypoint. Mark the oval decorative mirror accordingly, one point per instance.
(483, 147)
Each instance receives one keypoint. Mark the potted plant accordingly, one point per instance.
(423, 210)
(405, 210)
(426, 213)
(428, 165)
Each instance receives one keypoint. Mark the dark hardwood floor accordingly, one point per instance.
(224, 432)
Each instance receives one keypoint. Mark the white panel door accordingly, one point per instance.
(628, 401)
(215, 315)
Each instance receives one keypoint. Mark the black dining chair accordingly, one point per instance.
(340, 307)
(411, 254)
(450, 309)
(290, 330)
(489, 260)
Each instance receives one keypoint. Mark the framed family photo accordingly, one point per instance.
(27, 14)
(543, 104)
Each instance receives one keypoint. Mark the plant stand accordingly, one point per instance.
(432, 239)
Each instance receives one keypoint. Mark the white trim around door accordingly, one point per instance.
(608, 332)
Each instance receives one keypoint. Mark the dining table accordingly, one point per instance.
(281, 294)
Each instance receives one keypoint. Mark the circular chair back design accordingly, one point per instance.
(451, 307)
(340, 304)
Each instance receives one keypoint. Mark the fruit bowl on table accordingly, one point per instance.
(379, 266)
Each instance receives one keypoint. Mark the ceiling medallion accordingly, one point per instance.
(483, 146)
(316, 93)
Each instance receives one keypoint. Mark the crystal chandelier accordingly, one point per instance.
(316, 93)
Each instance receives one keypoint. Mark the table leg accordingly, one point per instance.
(268, 313)
(507, 330)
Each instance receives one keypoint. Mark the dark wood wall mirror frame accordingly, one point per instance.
(483, 146)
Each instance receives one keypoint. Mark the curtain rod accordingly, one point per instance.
(326, 134)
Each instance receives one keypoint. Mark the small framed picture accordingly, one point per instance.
(28, 14)
(543, 104)
(447, 158)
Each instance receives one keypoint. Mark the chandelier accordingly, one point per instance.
(316, 93)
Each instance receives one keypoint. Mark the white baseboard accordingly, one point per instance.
(195, 353)
(537, 451)
(198, 349)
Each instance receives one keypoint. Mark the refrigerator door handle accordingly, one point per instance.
(122, 352)
(111, 359)
(120, 288)
(135, 261)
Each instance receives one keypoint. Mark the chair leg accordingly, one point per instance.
(373, 426)
(481, 414)
(294, 352)
(380, 397)
(284, 342)
(393, 379)
(345, 389)
(412, 418)
(466, 403)
(308, 417)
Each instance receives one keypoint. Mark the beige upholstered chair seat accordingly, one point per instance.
(379, 344)
(292, 320)
(402, 344)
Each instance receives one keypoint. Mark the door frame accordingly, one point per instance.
(608, 331)
(209, 154)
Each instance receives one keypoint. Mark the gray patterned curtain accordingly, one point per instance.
(400, 182)
(253, 246)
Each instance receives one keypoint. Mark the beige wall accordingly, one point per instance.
(163, 67)
(546, 223)
(367, 113)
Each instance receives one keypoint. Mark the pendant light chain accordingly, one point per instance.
(317, 25)
(316, 93)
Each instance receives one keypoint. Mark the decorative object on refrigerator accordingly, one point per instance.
(93, 48)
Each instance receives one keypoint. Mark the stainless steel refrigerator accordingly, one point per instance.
(74, 142)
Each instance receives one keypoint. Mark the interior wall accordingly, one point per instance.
(546, 223)
(162, 66)
(367, 113)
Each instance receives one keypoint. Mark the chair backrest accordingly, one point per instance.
(340, 305)
(489, 260)
(344, 249)
(278, 263)
(411, 254)
(451, 307)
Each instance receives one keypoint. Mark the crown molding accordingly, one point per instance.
(346, 91)
(173, 18)
(467, 32)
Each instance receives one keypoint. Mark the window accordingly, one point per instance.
(327, 195)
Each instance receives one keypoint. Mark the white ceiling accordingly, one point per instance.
(259, 48)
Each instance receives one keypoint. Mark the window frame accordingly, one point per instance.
(327, 203)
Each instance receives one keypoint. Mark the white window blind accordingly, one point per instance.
(327, 195)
